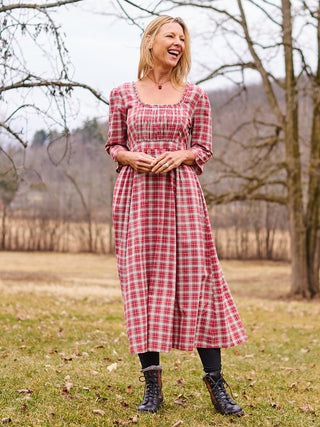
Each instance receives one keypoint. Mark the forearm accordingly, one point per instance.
(123, 157)
(189, 157)
(139, 161)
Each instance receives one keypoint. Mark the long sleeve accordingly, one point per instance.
(201, 133)
(117, 134)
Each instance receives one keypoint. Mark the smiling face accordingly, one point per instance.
(168, 45)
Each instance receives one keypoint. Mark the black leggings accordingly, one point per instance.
(210, 358)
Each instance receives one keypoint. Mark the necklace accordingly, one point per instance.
(160, 85)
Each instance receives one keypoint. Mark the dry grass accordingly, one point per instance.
(81, 275)
(64, 352)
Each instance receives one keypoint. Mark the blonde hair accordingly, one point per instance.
(181, 70)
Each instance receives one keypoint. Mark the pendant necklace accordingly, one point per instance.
(160, 85)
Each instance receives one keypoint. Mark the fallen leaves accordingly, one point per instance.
(101, 398)
(24, 408)
(307, 408)
(181, 400)
(4, 354)
(309, 386)
(112, 367)
(68, 384)
(65, 391)
(99, 412)
(129, 390)
(132, 420)
(25, 390)
(180, 381)
(275, 405)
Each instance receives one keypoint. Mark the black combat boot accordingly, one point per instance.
(220, 398)
(153, 396)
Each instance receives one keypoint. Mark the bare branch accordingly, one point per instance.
(267, 85)
(34, 107)
(140, 8)
(78, 190)
(40, 7)
(206, 6)
(14, 134)
(227, 68)
(312, 13)
(128, 16)
(240, 196)
(231, 172)
(53, 83)
(66, 135)
(10, 160)
(265, 12)
(271, 4)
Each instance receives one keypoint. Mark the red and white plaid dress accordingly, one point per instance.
(174, 291)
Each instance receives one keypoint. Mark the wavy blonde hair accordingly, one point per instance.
(180, 71)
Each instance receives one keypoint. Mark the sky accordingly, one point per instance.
(104, 52)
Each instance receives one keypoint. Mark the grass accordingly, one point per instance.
(64, 357)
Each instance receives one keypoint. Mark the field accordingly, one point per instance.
(64, 357)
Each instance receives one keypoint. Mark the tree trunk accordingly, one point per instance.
(313, 208)
(3, 234)
(297, 227)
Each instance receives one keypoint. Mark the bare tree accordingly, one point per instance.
(9, 184)
(32, 24)
(272, 168)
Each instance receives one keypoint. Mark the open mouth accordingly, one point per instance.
(174, 53)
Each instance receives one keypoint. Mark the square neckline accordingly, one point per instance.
(159, 105)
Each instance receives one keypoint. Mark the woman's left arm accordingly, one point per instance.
(201, 136)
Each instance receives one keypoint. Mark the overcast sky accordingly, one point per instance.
(104, 51)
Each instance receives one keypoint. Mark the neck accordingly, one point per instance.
(160, 76)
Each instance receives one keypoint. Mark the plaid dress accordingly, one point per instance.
(174, 291)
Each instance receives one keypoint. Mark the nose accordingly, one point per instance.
(178, 42)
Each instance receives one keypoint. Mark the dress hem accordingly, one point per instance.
(183, 348)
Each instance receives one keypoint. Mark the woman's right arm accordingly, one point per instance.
(117, 133)
(116, 145)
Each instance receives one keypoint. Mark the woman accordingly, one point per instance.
(174, 292)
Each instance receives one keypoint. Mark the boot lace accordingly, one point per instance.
(220, 391)
(150, 388)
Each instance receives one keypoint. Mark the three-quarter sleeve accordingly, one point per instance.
(201, 133)
(117, 134)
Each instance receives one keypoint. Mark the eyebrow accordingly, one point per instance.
(172, 32)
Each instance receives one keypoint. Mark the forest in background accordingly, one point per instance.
(61, 199)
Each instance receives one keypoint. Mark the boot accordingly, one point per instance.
(153, 396)
(220, 398)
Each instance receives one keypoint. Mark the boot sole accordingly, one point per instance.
(152, 411)
(236, 414)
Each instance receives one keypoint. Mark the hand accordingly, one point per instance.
(141, 162)
(171, 160)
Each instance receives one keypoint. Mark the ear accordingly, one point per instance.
(149, 42)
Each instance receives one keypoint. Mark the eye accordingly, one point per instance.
(169, 35)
